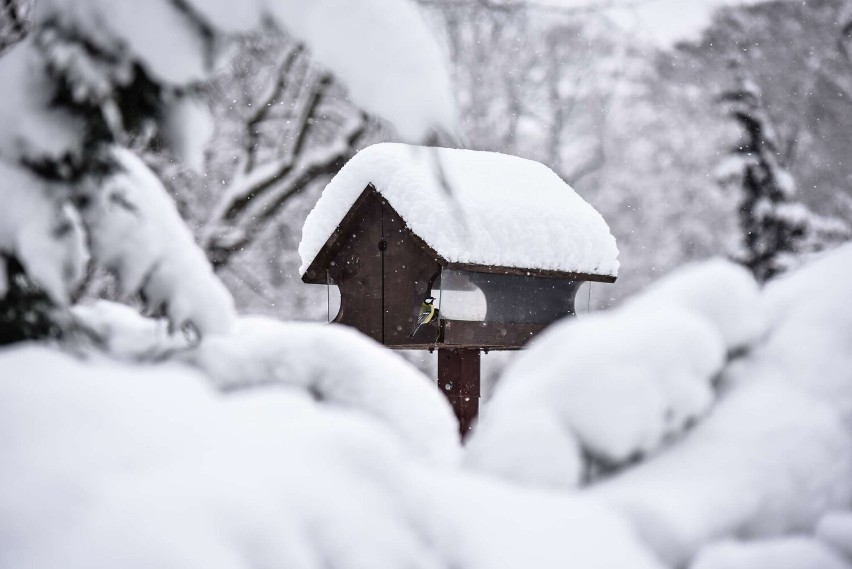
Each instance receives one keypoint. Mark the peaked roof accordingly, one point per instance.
(471, 208)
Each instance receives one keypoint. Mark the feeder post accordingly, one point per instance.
(458, 380)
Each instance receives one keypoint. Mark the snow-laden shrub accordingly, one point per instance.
(382, 49)
(124, 334)
(114, 466)
(812, 329)
(338, 366)
(621, 383)
(782, 553)
(335, 365)
(108, 465)
(136, 231)
(722, 292)
(529, 445)
(774, 455)
(42, 232)
(835, 530)
(618, 383)
(768, 460)
(95, 78)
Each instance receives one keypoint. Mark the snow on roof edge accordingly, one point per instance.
(447, 198)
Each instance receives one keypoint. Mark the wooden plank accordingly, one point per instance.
(458, 380)
(531, 272)
(491, 335)
(408, 275)
(357, 270)
(339, 238)
(316, 271)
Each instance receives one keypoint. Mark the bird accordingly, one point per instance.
(428, 313)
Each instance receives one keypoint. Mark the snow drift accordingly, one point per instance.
(617, 385)
(337, 366)
(109, 465)
(774, 455)
(105, 463)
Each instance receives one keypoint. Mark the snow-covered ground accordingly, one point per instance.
(324, 450)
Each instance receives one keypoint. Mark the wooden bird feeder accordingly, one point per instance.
(401, 223)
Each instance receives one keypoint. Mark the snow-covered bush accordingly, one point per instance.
(124, 334)
(617, 385)
(723, 293)
(109, 465)
(44, 234)
(99, 81)
(136, 231)
(768, 460)
(335, 365)
(339, 366)
(835, 529)
(774, 455)
(783, 553)
(114, 465)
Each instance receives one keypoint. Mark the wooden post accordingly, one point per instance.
(458, 379)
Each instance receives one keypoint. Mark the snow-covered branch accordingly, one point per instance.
(264, 183)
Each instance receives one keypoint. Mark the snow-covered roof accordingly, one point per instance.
(471, 207)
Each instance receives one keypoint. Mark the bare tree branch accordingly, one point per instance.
(283, 69)
(312, 165)
(255, 181)
(261, 187)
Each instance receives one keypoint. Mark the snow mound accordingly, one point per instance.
(125, 334)
(774, 454)
(812, 329)
(136, 231)
(835, 529)
(617, 384)
(107, 465)
(767, 461)
(474, 207)
(104, 465)
(529, 446)
(482, 523)
(722, 292)
(339, 366)
(785, 553)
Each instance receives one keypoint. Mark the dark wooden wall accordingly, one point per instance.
(357, 270)
(384, 272)
(383, 275)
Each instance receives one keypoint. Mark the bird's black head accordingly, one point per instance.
(429, 299)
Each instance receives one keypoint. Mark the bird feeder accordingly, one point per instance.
(501, 245)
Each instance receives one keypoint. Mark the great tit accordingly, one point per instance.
(428, 313)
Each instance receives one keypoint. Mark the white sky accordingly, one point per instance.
(663, 22)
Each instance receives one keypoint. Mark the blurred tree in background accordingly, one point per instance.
(636, 128)
(102, 101)
(778, 230)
